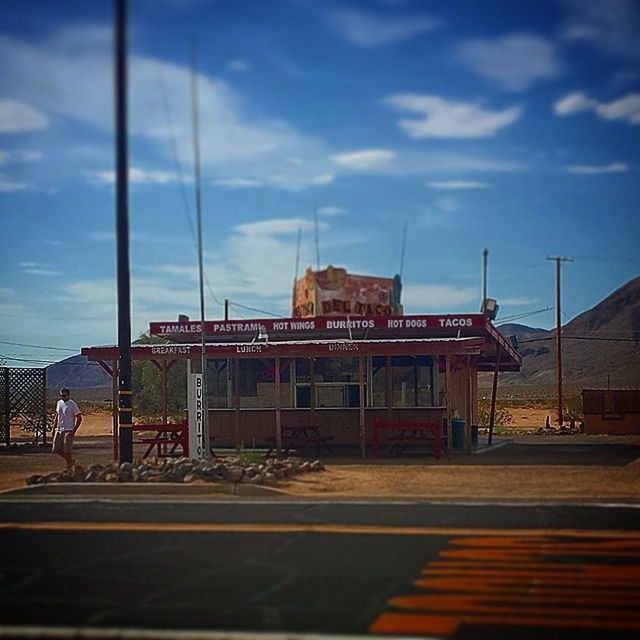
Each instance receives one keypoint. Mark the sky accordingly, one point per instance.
(511, 126)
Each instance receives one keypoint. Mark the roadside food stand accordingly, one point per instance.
(339, 374)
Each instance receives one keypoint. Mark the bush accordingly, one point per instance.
(502, 416)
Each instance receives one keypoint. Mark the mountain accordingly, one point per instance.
(599, 346)
(77, 372)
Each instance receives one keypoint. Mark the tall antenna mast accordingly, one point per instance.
(198, 194)
(485, 255)
(315, 224)
(559, 260)
(404, 244)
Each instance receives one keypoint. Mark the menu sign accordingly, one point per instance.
(293, 328)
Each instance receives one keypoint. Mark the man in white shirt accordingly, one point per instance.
(66, 422)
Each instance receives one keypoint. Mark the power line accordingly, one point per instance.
(594, 338)
(36, 346)
(242, 306)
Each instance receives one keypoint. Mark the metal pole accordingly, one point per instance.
(559, 260)
(485, 255)
(125, 414)
(315, 223)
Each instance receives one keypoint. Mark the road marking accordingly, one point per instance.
(115, 633)
(348, 529)
(520, 581)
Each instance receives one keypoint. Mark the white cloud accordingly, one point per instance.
(455, 185)
(590, 170)
(441, 118)
(38, 269)
(20, 155)
(364, 158)
(626, 109)
(139, 176)
(613, 26)
(274, 227)
(7, 186)
(331, 211)
(17, 116)
(436, 296)
(236, 140)
(514, 62)
(370, 30)
(102, 236)
(239, 66)
(237, 183)
(573, 103)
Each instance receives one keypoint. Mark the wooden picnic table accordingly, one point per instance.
(400, 434)
(166, 438)
(302, 437)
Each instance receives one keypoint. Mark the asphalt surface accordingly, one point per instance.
(406, 569)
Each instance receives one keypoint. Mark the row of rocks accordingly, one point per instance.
(184, 470)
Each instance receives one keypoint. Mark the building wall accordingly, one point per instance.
(612, 411)
(256, 425)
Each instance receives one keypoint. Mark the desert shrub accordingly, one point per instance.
(572, 406)
(502, 418)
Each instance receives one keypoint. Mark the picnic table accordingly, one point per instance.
(303, 437)
(398, 435)
(166, 438)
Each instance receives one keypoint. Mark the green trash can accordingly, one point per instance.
(457, 433)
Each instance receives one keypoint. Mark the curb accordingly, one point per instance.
(102, 489)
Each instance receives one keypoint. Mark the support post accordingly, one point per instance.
(361, 393)
(494, 392)
(447, 383)
(467, 404)
(236, 402)
(278, 408)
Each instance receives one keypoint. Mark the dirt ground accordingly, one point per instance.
(399, 478)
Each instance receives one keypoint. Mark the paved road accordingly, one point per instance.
(435, 570)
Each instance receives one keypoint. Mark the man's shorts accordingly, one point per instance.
(62, 442)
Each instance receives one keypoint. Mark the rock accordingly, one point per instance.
(316, 465)
(234, 474)
(36, 478)
(90, 476)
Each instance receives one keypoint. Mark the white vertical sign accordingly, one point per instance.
(196, 405)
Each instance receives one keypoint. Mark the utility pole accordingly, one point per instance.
(559, 260)
(125, 411)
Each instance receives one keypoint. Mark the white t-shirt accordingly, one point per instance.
(67, 412)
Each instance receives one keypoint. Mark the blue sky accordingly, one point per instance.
(507, 125)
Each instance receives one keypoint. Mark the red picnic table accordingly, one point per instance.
(400, 434)
(167, 438)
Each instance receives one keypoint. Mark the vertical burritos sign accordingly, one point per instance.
(196, 404)
(336, 292)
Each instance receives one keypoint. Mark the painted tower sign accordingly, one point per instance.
(336, 292)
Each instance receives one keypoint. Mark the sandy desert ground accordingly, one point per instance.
(408, 477)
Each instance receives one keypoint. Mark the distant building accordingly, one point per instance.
(334, 292)
(611, 411)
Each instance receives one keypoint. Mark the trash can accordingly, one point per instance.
(457, 433)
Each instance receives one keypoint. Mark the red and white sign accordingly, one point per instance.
(389, 326)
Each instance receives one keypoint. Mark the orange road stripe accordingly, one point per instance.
(457, 604)
(496, 554)
(519, 544)
(401, 623)
(353, 529)
(418, 624)
(568, 588)
(614, 573)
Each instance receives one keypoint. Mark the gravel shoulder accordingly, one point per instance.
(501, 474)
